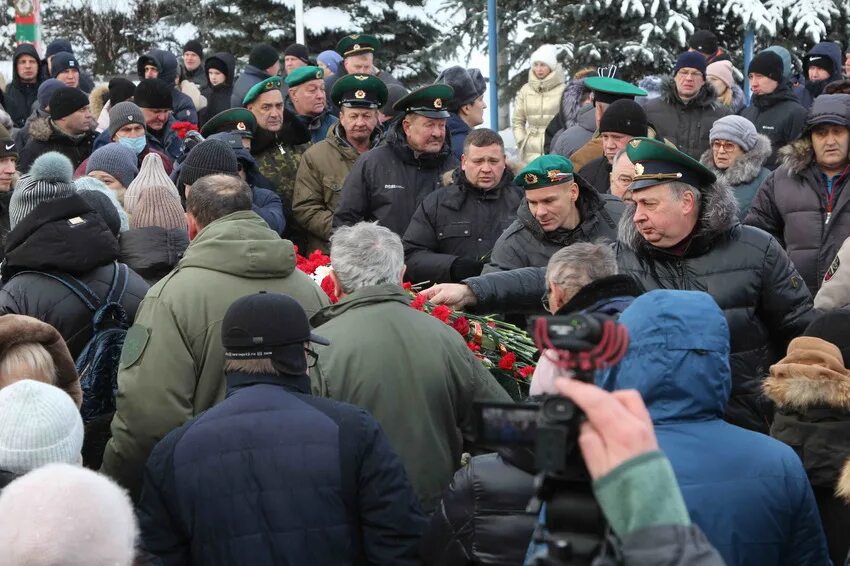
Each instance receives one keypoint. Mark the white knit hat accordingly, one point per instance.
(152, 172)
(39, 424)
(546, 54)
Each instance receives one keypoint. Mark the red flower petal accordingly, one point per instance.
(442, 312)
(507, 361)
(461, 324)
(418, 302)
(328, 288)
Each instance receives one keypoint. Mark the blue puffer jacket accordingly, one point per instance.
(272, 475)
(747, 492)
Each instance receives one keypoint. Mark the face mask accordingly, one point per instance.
(136, 144)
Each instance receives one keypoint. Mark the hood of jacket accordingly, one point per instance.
(746, 168)
(678, 356)
(372, 295)
(396, 139)
(586, 118)
(153, 251)
(718, 213)
(165, 61)
(738, 101)
(571, 102)
(810, 376)
(46, 239)
(23, 49)
(705, 98)
(229, 62)
(547, 83)
(833, 51)
(782, 93)
(241, 244)
(589, 203)
(797, 155)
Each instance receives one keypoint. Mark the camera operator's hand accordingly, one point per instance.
(618, 426)
(454, 295)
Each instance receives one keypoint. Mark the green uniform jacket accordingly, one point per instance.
(318, 186)
(412, 372)
(172, 362)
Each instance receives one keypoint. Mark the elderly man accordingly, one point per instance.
(153, 96)
(622, 172)
(453, 232)
(559, 208)
(358, 58)
(376, 338)
(687, 107)
(308, 103)
(171, 365)
(622, 121)
(389, 182)
(803, 204)
(325, 166)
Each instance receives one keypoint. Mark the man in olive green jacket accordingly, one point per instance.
(172, 363)
(411, 371)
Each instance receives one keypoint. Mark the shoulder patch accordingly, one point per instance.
(134, 345)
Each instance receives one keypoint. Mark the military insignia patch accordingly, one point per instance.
(438, 103)
(354, 36)
(362, 77)
(836, 263)
(319, 74)
(270, 85)
(634, 143)
(355, 47)
(241, 126)
(530, 178)
(638, 168)
(553, 175)
(359, 94)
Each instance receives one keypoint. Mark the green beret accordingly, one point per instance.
(429, 101)
(231, 120)
(356, 44)
(270, 83)
(545, 171)
(607, 90)
(657, 163)
(359, 91)
(302, 75)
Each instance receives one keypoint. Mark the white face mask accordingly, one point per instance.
(137, 145)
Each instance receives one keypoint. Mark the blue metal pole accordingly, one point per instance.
(749, 41)
(493, 46)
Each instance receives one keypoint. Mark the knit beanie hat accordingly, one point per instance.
(217, 64)
(50, 176)
(690, 60)
(90, 184)
(545, 54)
(120, 89)
(115, 159)
(330, 58)
(767, 63)
(297, 50)
(207, 158)
(152, 173)
(263, 56)
(122, 114)
(703, 41)
(721, 70)
(158, 206)
(152, 93)
(101, 204)
(46, 90)
(62, 62)
(39, 424)
(7, 144)
(195, 47)
(58, 46)
(624, 116)
(785, 55)
(819, 60)
(736, 129)
(65, 101)
(834, 327)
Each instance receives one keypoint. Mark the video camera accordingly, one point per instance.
(580, 344)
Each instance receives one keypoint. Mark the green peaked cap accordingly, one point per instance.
(657, 163)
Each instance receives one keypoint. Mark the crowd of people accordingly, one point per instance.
(175, 390)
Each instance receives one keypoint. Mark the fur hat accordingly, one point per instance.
(625, 116)
(468, 84)
(545, 54)
(50, 176)
(158, 206)
(151, 173)
(89, 184)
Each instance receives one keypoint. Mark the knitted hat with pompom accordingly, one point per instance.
(49, 177)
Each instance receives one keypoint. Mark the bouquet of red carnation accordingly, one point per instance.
(183, 128)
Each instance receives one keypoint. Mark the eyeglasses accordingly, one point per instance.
(693, 74)
(312, 358)
(726, 147)
(544, 300)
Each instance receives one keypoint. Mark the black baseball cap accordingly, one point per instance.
(268, 325)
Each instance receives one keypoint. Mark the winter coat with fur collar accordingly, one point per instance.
(749, 275)
(793, 206)
(45, 136)
(746, 175)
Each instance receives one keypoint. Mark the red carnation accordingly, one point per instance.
(507, 361)
(491, 324)
(461, 324)
(473, 346)
(526, 371)
(418, 302)
(318, 258)
(182, 128)
(442, 312)
(328, 288)
(407, 285)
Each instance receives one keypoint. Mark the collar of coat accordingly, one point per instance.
(590, 206)
(373, 294)
(43, 129)
(614, 286)
(338, 138)
(705, 98)
(812, 375)
(746, 168)
(294, 383)
(461, 189)
(396, 139)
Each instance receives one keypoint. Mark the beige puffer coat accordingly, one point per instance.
(536, 104)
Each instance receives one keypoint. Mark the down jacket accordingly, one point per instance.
(536, 104)
(779, 116)
(45, 137)
(153, 251)
(748, 273)
(794, 207)
(746, 175)
(746, 491)
(685, 124)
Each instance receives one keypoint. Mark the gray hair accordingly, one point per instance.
(618, 155)
(576, 265)
(678, 190)
(366, 254)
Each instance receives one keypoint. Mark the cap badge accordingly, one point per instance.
(241, 126)
(530, 178)
(319, 74)
(438, 103)
(638, 168)
(359, 95)
(553, 175)
(634, 143)
(355, 47)
(354, 36)
(361, 77)
(129, 117)
(269, 85)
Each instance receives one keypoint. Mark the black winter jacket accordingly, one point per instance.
(250, 76)
(45, 137)
(685, 124)
(389, 183)
(21, 96)
(779, 116)
(792, 205)
(598, 174)
(46, 241)
(482, 518)
(525, 244)
(748, 274)
(458, 221)
(152, 252)
(218, 96)
(272, 475)
(181, 104)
